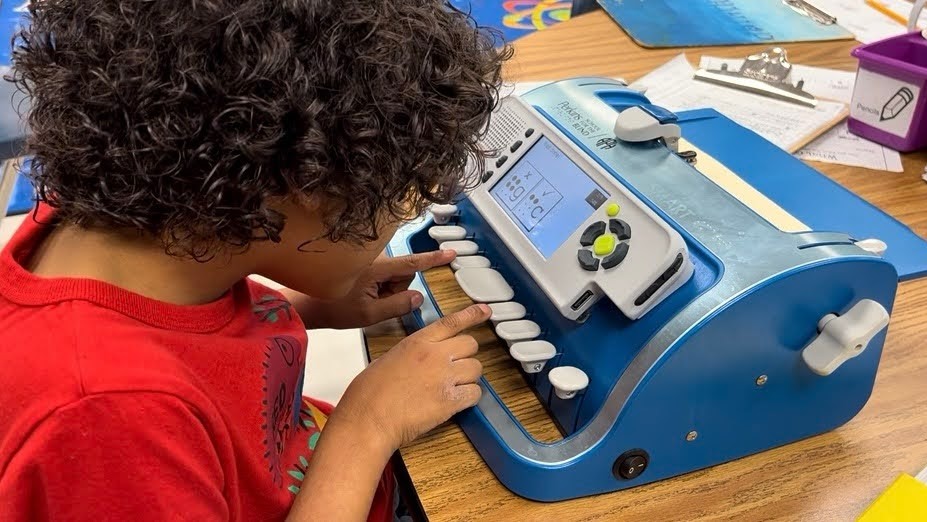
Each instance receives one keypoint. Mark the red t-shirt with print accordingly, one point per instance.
(114, 406)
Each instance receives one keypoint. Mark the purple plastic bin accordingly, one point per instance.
(890, 97)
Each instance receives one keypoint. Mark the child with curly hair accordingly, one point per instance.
(179, 147)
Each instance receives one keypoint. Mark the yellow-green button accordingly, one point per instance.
(604, 245)
(612, 209)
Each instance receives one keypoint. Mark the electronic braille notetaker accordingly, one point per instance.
(665, 318)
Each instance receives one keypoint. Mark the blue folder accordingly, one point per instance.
(813, 198)
(688, 23)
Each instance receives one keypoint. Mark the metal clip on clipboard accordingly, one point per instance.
(818, 15)
(768, 73)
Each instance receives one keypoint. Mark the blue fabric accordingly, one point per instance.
(515, 18)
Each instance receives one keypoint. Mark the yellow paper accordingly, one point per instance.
(904, 501)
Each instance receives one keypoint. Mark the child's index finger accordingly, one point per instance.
(451, 325)
(410, 264)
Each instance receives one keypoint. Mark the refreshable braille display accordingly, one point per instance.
(665, 324)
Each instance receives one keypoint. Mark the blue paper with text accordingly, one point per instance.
(671, 23)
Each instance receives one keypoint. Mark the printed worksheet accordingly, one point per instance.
(788, 125)
(838, 145)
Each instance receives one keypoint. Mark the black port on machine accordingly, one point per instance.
(587, 295)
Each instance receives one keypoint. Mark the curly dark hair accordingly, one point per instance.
(184, 119)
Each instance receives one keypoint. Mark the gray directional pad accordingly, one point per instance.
(620, 229)
(592, 231)
(615, 258)
(587, 260)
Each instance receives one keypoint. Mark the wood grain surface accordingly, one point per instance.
(831, 477)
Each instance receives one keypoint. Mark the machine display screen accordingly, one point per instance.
(548, 196)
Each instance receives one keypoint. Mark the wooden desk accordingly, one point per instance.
(831, 477)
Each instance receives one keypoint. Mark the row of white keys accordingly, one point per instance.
(568, 381)
(533, 355)
(508, 311)
(517, 331)
(461, 247)
(441, 214)
(485, 285)
(447, 233)
(470, 262)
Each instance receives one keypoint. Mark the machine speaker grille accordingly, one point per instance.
(506, 127)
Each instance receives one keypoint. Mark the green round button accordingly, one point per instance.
(604, 245)
(612, 209)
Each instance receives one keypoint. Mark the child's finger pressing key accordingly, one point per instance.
(423, 380)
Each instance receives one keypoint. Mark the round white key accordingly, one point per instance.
(568, 381)
(510, 311)
(533, 355)
(443, 213)
(484, 285)
(470, 262)
(516, 331)
(463, 248)
(447, 233)
(874, 246)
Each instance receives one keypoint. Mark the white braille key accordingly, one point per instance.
(484, 285)
(568, 381)
(463, 248)
(447, 233)
(517, 331)
(510, 311)
(443, 213)
(470, 262)
(533, 355)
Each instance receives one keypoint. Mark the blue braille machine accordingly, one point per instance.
(677, 291)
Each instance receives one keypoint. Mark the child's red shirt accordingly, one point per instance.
(114, 406)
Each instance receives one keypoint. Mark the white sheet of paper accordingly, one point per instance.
(904, 7)
(866, 23)
(838, 145)
(785, 124)
(520, 88)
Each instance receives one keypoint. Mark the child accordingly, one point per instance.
(179, 147)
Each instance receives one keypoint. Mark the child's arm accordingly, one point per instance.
(422, 382)
(381, 293)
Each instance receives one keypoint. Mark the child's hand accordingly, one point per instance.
(420, 383)
(381, 293)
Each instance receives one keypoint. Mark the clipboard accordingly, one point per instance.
(691, 23)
